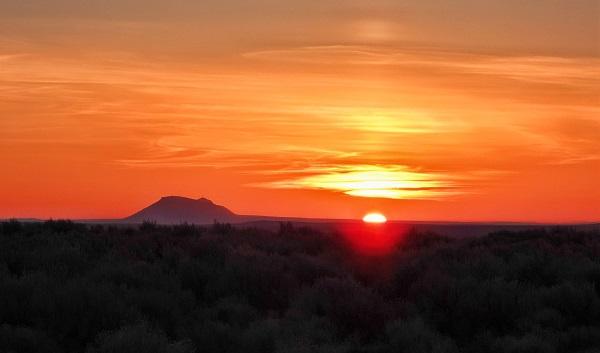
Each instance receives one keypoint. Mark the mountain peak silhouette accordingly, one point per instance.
(178, 209)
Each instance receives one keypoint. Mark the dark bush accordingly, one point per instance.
(135, 339)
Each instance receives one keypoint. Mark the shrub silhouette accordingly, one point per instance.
(413, 336)
(137, 338)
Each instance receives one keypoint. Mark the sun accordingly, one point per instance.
(374, 218)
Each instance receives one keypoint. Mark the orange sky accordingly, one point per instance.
(423, 110)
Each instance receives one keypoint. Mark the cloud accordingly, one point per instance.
(542, 69)
(571, 139)
(376, 181)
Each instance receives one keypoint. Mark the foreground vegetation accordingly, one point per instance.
(68, 287)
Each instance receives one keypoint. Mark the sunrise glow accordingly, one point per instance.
(315, 108)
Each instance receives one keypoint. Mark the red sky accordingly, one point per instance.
(424, 110)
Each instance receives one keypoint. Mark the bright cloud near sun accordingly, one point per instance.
(391, 182)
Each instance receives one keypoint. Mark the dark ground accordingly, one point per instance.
(67, 287)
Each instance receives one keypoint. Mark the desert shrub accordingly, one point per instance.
(15, 339)
(187, 230)
(11, 227)
(221, 228)
(260, 337)
(414, 336)
(351, 307)
(217, 337)
(233, 311)
(137, 338)
(526, 344)
(258, 277)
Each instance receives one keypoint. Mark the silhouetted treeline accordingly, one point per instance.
(67, 287)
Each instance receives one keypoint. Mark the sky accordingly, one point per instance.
(462, 110)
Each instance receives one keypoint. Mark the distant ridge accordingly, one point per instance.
(177, 209)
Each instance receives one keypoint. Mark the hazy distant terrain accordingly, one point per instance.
(173, 210)
(67, 287)
(178, 210)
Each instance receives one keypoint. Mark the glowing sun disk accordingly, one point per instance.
(374, 218)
